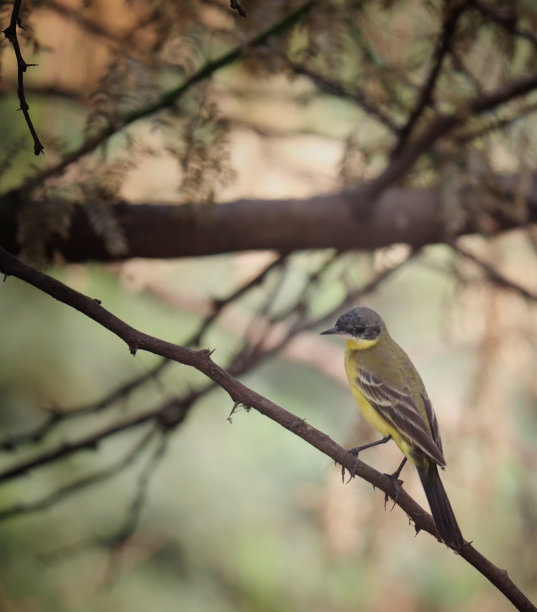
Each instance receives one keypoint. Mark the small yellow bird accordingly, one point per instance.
(393, 399)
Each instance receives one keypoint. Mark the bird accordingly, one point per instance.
(392, 397)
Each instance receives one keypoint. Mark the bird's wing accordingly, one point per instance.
(399, 408)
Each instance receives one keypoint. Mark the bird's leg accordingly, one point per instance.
(354, 452)
(395, 480)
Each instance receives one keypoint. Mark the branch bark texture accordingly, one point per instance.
(344, 221)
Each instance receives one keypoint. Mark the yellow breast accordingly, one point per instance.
(371, 415)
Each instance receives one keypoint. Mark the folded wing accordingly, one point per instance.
(399, 408)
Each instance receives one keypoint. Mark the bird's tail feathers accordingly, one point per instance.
(444, 519)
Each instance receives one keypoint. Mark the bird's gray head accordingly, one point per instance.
(358, 323)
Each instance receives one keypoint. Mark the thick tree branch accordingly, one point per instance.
(343, 221)
(241, 394)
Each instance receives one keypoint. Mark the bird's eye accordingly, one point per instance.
(374, 331)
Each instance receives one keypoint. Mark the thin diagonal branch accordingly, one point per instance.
(89, 442)
(495, 276)
(241, 394)
(11, 34)
(336, 89)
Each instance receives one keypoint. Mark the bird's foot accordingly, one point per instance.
(396, 488)
(354, 468)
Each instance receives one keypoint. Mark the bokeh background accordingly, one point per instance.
(234, 512)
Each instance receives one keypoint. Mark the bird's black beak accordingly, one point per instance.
(332, 330)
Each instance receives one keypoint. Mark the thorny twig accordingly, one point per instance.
(11, 34)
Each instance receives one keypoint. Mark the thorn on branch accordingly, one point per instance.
(235, 409)
(236, 406)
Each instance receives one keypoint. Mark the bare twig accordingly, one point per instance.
(336, 89)
(136, 506)
(59, 417)
(240, 393)
(65, 491)
(11, 34)
(167, 416)
(117, 541)
(495, 124)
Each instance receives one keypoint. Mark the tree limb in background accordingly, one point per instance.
(241, 394)
(11, 34)
(79, 484)
(438, 127)
(410, 216)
